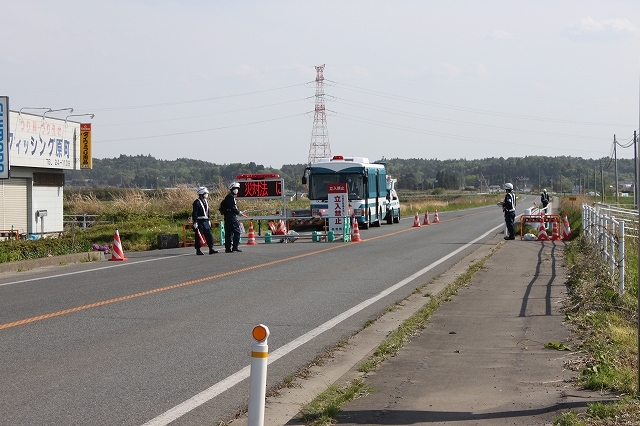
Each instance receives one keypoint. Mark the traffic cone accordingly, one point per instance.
(426, 218)
(355, 234)
(416, 221)
(281, 229)
(566, 229)
(542, 231)
(251, 238)
(436, 219)
(555, 233)
(116, 251)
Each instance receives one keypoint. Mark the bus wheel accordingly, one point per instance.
(379, 219)
(396, 219)
(390, 217)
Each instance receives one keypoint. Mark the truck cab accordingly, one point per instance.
(393, 203)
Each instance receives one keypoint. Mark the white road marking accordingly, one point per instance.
(232, 380)
(116, 265)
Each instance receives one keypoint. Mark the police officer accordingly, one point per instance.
(509, 209)
(201, 222)
(544, 199)
(231, 224)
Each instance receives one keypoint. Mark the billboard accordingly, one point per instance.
(39, 141)
(4, 137)
(85, 146)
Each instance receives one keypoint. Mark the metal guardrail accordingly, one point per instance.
(82, 220)
(607, 233)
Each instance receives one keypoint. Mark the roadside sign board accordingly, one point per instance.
(338, 206)
(85, 146)
(4, 137)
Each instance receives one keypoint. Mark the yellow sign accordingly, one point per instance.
(573, 198)
(85, 146)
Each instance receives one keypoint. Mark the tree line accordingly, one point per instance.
(560, 174)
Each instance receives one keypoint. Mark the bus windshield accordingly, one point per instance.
(318, 185)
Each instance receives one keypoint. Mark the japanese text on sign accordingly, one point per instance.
(260, 188)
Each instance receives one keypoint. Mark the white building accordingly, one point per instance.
(39, 149)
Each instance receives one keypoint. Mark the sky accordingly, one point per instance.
(234, 81)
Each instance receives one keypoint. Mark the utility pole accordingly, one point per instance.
(635, 170)
(319, 135)
(615, 156)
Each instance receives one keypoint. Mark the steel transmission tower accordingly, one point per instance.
(319, 135)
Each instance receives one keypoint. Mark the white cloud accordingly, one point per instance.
(500, 35)
(588, 29)
(446, 70)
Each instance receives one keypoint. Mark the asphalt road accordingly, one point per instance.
(166, 335)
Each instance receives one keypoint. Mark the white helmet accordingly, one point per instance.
(508, 186)
(203, 190)
(544, 190)
(234, 185)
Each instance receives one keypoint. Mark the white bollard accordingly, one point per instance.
(258, 375)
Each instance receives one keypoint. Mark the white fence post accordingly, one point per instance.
(621, 257)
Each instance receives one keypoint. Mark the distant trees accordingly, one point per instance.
(553, 173)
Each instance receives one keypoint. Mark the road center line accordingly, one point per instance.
(183, 408)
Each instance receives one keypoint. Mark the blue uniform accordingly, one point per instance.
(200, 216)
(231, 224)
(509, 209)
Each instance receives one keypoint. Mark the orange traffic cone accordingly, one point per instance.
(566, 229)
(355, 234)
(542, 231)
(281, 229)
(251, 238)
(436, 219)
(116, 252)
(416, 221)
(555, 233)
(426, 218)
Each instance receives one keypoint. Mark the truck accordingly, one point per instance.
(393, 203)
(367, 188)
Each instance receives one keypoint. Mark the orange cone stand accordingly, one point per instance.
(281, 229)
(416, 221)
(542, 231)
(566, 229)
(251, 238)
(555, 233)
(436, 219)
(355, 234)
(116, 252)
(426, 218)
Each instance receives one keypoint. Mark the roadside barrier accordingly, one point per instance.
(607, 233)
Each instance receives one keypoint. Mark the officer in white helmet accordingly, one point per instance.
(201, 221)
(509, 209)
(544, 199)
(229, 208)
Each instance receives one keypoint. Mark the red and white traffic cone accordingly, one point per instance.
(566, 229)
(416, 221)
(281, 229)
(436, 219)
(116, 250)
(251, 238)
(555, 233)
(542, 231)
(355, 234)
(426, 218)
